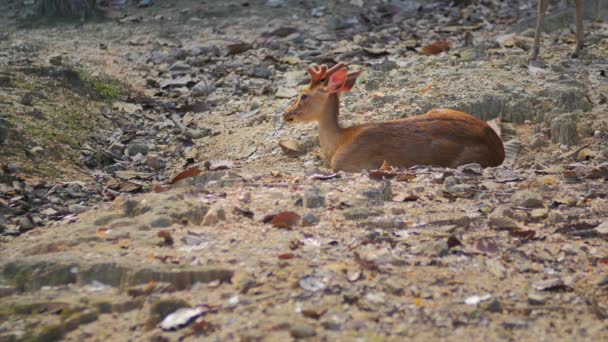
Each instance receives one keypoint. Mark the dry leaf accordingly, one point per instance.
(191, 172)
(291, 148)
(159, 188)
(453, 242)
(286, 256)
(313, 313)
(425, 89)
(286, 219)
(234, 49)
(435, 48)
(381, 174)
(522, 234)
(218, 164)
(167, 239)
(386, 166)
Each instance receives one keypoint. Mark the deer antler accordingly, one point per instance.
(319, 73)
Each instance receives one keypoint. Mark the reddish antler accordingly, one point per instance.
(319, 73)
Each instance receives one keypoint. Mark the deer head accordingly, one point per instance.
(313, 103)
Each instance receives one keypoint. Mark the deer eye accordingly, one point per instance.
(303, 97)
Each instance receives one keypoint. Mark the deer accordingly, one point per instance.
(441, 137)
(542, 8)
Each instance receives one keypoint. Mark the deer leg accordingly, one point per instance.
(542, 8)
(579, 29)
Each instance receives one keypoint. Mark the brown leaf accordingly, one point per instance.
(453, 242)
(313, 313)
(234, 49)
(157, 188)
(381, 174)
(405, 177)
(167, 239)
(522, 234)
(425, 89)
(285, 219)
(247, 213)
(295, 244)
(286, 256)
(191, 172)
(435, 48)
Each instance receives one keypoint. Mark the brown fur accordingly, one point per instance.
(441, 137)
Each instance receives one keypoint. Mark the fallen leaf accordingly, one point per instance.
(453, 242)
(218, 164)
(191, 172)
(247, 213)
(386, 166)
(435, 48)
(180, 318)
(286, 256)
(320, 176)
(167, 239)
(291, 148)
(522, 234)
(157, 188)
(381, 174)
(234, 49)
(285, 219)
(295, 244)
(425, 89)
(313, 313)
(102, 231)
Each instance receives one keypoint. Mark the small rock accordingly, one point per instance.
(527, 199)
(536, 298)
(555, 217)
(213, 216)
(245, 197)
(117, 148)
(49, 212)
(302, 331)
(314, 198)
(360, 213)
(310, 219)
(137, 146)
(495, 306)
(260, 71)
(538, 214)
(25, 223)
(77, 208)
(161, 222)
(202, 88)
(179, 68)
(153, 162)
(432, 249)
(37, 151)
(27, 99)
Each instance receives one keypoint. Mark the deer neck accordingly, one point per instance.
(330, 131)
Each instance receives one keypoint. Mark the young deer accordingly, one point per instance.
(441, 137)
(542, 8)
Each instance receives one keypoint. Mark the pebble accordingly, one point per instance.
(527, 199)
(202, 88)
(214, 215)
(299, 330)
(25, 224)
(137, 146)
(432, 249)
(360, 213)
(37, 151)
(260, 71)
(314, 198)
(310, 219)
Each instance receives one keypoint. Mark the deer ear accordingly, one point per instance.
(350, 81)
(336, 81)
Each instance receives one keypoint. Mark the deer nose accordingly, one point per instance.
(288, 117)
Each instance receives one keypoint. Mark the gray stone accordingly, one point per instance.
(137, 146)
(117, 148)
(563, 129)
(286, 93)
(527, 199)
(37, 151)
(203, 88)
(25, 223)
(360, 213)
(260, 71)
(77, 208)
(179, 68)
(314, 198)
(302, 331)
(376, 195)
(310, 219)
(432, 249)
(161, 222)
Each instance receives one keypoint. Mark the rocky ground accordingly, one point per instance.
(150, 191)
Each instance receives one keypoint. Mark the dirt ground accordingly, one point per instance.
(263, 243)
